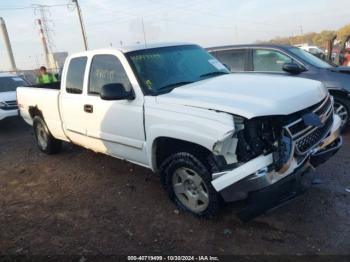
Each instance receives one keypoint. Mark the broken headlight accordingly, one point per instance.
(258, 137)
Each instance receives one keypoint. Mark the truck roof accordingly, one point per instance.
(130, 48)
(279, 46)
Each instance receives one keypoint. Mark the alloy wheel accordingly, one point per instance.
(190, 189)
(342, 112)
(41, 135)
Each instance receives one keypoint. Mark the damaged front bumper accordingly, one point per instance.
(255, 177)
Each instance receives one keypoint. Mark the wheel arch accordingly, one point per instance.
(163, 147)
(35, 111)
(339, 92)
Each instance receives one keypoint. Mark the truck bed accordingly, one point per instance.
(55, 85)
(44, 100)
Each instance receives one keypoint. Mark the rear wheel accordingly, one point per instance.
(45, 141)
(342, 109)
(188, 183)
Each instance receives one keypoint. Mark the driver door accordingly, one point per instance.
(113, 127)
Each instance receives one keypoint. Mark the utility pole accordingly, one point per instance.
(301, 29)
(44, 43)
(7, 44)
(46, 24)
(81, 24)
(45, 32)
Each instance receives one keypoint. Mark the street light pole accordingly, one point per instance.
(81, 24)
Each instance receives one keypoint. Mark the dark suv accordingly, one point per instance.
(287, 60)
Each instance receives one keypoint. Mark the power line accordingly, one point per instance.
(30, 7)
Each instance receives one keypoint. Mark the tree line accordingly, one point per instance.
(314, 38)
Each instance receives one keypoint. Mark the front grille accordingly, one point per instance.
(308, 141)
(323, 109)
(306, 137)
(10, 105)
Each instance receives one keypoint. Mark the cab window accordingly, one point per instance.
(106, 69)
(75, 75)
(269, 60)
(234, 59)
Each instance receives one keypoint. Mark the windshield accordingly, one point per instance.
(162, 69)
(11, 83)
(309, 58)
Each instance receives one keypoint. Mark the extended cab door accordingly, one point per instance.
(72, 101)
(114, 127)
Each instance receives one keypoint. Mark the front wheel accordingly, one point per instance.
(45, 141)
(188, 183)
(342, 109)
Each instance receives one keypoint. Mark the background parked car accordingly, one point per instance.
(8, 86)
(315, 50)
(290, 60)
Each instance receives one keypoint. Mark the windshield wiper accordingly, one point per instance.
(215, 73)
(173, 85)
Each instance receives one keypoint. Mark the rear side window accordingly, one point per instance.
(106, 69)
(234, 59)
(75, 75)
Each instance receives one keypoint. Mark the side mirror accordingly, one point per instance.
(293, 68)
(115, 91)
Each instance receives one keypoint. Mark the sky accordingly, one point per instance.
(111, 23)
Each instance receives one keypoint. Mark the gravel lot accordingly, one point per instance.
(83, 203)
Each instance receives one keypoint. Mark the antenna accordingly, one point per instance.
(144, 32)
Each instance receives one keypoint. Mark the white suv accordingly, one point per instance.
(8, 86)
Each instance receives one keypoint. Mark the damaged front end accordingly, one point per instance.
(274, 156)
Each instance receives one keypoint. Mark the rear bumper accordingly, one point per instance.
(8, 113)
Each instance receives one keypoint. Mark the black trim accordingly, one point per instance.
(325, 154)
(271, 197)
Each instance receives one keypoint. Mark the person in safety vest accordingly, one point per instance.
(45, 77)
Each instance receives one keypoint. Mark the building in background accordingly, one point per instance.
(57, 60)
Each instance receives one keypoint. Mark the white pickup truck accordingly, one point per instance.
(175, 109)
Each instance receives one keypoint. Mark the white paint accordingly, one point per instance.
(7, 96)
(200, 113)
(242, 171)
(248, 95)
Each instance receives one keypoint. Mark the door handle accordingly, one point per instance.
(88, 108)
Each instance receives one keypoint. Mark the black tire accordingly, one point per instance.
(190, 162)
(45, 141)
(346, 105)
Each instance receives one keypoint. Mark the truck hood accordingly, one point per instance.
(7, 96)
(248, 95)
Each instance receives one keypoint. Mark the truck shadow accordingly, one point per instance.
(13, 125)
